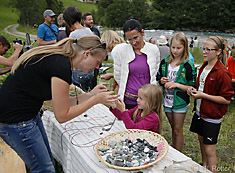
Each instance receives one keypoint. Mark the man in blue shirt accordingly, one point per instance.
(47, 31)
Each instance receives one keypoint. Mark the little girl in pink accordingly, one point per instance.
(147, 115)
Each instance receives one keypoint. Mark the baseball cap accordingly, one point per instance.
(49, 13)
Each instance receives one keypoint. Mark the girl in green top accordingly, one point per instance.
(176, 74)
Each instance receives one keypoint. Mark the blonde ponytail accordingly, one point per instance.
(68, 47)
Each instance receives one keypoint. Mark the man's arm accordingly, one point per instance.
(11, 59)
(41, 42)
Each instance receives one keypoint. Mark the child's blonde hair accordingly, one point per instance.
(180, 36)
(220, 44)
(153, 97)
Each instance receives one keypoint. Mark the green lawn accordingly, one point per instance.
(84, 7)
(226, 141)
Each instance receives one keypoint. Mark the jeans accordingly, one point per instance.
(29, 140)
(83, 80)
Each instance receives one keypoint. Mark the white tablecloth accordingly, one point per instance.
(72, 143)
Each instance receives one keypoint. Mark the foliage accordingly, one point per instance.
(197, 55)
(119, 11)
(226, 142)
(29, 11)
(114, 13)
(178, 14)
(194, 14)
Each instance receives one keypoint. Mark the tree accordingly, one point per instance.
(31, 12)
(139, 9)
(117, 13)
(170, 14)
(194, 14)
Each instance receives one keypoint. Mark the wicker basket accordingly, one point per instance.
(48, 105)
(153, 138)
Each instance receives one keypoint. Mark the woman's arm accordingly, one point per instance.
(98, 88)
(61, 102)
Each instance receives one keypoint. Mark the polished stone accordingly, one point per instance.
(129, 153)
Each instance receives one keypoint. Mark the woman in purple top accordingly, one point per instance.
(147, 115)
(135, 64)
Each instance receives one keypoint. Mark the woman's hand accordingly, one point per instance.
(99, 88)
(106, 97)
(164, 80)
(121, 105)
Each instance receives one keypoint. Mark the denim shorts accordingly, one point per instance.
(30, 142)
(181, 110)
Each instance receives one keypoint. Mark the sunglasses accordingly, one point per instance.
(102, 45)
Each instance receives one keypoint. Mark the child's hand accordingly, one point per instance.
(113, 105)
(107, 76)
(191, 90)
(170, 85)
(197, 94)
(164, 80)
(121, 105)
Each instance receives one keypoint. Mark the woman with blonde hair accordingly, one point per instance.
(112, 39)
(61, 26)
(40, 74)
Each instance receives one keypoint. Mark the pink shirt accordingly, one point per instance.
(151, 121)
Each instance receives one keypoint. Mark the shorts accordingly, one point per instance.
(181, 110)
(209, 131)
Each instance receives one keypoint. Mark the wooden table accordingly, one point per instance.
(9, 160)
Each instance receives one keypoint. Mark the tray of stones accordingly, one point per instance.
(131, 149)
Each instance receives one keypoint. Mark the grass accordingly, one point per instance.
(9, 16)
(226, 141)
(84, 7)
(197, 54)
